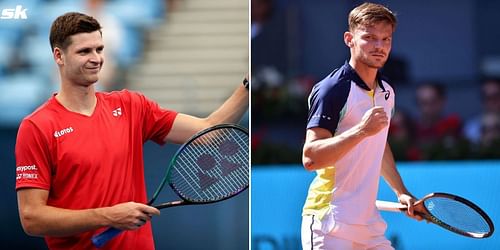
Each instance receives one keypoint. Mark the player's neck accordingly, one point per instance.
(367, 74)
(79, 99)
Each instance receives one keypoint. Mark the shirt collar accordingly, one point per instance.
(357, 79)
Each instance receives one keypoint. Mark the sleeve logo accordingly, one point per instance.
(26, 172)
(321, 117)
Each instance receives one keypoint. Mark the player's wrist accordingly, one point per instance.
(360, 132)
(103, 218)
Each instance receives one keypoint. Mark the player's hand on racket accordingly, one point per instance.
(448, 211)
(129, 215)
(374, 120)
(211, 166)
(414, 207)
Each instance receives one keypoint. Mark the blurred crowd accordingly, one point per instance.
(431, 125)
(279, 105)
(433, 134)
(28, 74)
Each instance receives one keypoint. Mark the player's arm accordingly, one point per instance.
(322, 150)
(393, 178)
(230, 111)
(40, 219)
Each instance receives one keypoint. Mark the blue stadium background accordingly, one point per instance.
(278, 194)
(27, 79)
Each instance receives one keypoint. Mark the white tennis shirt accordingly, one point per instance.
(346, 192)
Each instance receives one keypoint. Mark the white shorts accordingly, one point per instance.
(316, 236)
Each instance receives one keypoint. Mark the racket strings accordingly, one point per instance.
(229, 148)
(235, 147)
(240, 143)
(193, 180)
(218, 155)
(213, 166)
(457, 215)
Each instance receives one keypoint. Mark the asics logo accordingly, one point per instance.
(387, 94)
(63, 132)
(117, 112)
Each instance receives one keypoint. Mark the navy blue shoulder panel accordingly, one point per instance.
(380, 79)
(327, 99)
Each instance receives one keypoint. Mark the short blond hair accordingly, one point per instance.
(368, 14)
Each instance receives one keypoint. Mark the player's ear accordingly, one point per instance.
(58, 55)
(348, 39)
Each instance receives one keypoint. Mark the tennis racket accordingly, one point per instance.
(211, 166)
(450, 212)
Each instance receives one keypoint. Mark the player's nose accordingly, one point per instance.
(95, 57)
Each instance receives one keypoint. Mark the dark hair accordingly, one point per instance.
(70, 24)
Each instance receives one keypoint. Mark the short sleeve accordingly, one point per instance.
(33, 167)
(157, 122)
(326, 102)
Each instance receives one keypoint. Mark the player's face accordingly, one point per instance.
(371, 45)
(83, 59)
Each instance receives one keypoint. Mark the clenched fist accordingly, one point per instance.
(374, 120)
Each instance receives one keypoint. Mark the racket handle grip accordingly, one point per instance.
(100, 240)
(390, 206)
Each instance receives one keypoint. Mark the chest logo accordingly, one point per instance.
(117, 112)
(62, 132)
(387, 94)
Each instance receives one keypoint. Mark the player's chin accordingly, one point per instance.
(378, 63)
(89, 80)
(93, 76)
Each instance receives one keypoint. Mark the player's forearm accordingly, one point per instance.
(52, 221)
(323, 153)
(391, 174)
(232, 109)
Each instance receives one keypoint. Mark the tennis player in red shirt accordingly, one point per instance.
(79, 156)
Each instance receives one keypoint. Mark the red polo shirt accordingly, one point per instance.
(91, 161)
